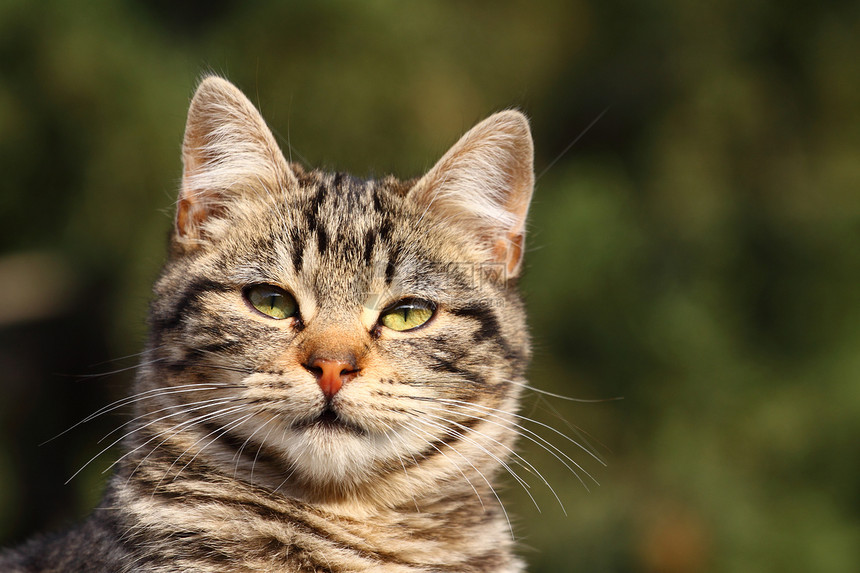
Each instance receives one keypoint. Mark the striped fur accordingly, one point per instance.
(235, 460)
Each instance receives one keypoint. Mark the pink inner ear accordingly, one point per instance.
(190, 214)
(510, 251)
(187, 218)
(515, 253)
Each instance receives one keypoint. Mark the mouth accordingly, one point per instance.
(329, 419)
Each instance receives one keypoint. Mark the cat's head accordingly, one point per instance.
(333, 336)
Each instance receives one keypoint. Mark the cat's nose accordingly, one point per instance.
(331, 375)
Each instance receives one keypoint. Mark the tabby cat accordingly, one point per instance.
(333, 366)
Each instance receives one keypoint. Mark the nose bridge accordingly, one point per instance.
(338, 338)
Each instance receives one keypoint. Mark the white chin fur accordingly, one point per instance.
(334, 455)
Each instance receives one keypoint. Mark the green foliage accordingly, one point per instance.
(695, 252)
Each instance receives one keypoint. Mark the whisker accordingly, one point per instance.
(562, 396)
(173, 407)
(523, 483)
(413, 429)
(294, 463)
(532, 436)
(546, 445)
(388, 431)
(141, 396)
(179, 428)
(572, 143)
(220, 431)
(127, 356)
(119, 370)
(514, 454)
(238, 455)
(121, 438)
(234, 368)
(492, 411)
(260, 448)
(118, 440)
(580, 433)
(226, 368)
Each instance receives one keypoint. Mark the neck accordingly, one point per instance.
(200, 514)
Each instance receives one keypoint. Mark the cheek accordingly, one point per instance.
(279, 355)
(382, 365)
(398, 365)
(262, 344)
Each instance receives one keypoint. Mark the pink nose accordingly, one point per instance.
(331, 374)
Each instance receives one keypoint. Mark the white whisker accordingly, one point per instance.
(430, 442)
(388, 433)
(514, 454)
(219, 431)
(562, 396)
(173, 407)
(118, 440)
(177, 427)
(152, 393)
(523, 483)
(238, 455)
(496, 412)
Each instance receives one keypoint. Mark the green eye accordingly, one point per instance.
(407, 315)
(272, 301)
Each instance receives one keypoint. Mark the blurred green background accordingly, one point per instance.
(696, 251)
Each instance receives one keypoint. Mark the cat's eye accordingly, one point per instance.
(407, 314)
(272, 301)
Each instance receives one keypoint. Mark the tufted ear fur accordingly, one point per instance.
(228, 151)
(484, 184)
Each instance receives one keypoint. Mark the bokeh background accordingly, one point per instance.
(695, 251)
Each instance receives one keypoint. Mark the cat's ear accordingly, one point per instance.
(228, 151)
(483, 185)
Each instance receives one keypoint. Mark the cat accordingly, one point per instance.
(333, 366)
